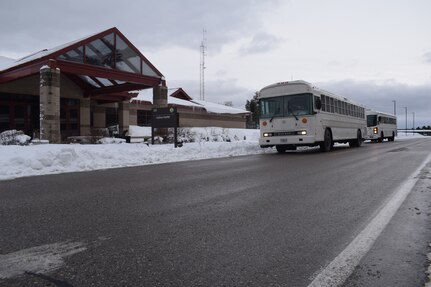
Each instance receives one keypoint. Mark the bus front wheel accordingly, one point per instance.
(327, 143)
(281, 148)
(381, 138)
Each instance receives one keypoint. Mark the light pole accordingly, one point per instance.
(413, 122)
(395, 107)
(406, 119)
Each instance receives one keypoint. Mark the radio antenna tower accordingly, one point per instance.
(202, 66)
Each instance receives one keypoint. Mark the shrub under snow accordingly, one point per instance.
(14, 137)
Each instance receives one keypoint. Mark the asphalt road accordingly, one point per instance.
(265, 220)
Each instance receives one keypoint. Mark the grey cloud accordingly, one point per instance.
(151, 24)
(379, 96)
(427, 57)
(217, 91)
(262, 42)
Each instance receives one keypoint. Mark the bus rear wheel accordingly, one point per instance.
(358, 141)
(392, 138)
(327, 143)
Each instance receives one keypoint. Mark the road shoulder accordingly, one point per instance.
(399, 256)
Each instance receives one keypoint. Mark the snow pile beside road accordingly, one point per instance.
(208, 134)
(20, 161)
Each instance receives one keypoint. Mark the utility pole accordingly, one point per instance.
(406, 119)
(413, 122)
(202, 66)
(395, 107)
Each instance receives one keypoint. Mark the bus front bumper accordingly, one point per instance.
(287, 140)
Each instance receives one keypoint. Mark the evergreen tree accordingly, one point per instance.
(253, 106)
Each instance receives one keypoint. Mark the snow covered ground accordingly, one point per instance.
(20, 161)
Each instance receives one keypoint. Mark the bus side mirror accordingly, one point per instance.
(318, 103)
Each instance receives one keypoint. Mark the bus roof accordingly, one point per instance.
(373, 112)
(297, 87)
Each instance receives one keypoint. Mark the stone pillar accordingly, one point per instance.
(49, 100)
(85, 117)
(124, 116)
(160, 100)
(160, 96)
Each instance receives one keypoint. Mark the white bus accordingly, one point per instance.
(380, 126)
(298, 114)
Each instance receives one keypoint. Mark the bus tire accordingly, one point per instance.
(381, 138)
(392, 138)
(358, 141)
(281, 148)
(327, 143)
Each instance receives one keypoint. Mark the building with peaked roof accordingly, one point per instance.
(63, 91)
(80, 87)
(192, 113)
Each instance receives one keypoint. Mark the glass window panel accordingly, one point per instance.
(144, 118)
(295, 105)
(4, 117)
(147, 71)
(111, 116)
(323, 100)
(332, 104)
(73, 119)
(19, 117)
(63, 118)
(105, 82)
(271, 107)
(90, 81)
(100, 52)
(127, 59)
(75, 55)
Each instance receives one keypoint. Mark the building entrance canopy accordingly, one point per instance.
(105, 66)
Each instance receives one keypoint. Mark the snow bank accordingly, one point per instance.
(19, 161)
(203, 143)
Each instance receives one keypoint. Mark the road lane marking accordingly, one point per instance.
(344, 264)
(40, 259)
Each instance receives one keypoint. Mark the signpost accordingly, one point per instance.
(164, 118)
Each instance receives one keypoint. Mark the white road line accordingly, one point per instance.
(344, 264)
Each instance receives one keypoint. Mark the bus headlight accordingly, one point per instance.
(375, 130)
(301, 133)
(266, 134)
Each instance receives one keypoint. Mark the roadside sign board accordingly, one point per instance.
(164, 118)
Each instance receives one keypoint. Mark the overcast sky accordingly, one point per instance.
(373, 51)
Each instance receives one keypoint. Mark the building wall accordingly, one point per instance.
(92, 115)
(212, 120)
(195, 117)
(133, 120)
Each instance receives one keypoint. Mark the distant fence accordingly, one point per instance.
(421, 132)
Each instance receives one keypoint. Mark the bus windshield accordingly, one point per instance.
(371, 120)
(284, 106)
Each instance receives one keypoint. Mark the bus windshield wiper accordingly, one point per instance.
(273, 115)
(290, 110)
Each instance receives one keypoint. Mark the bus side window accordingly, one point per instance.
(332, 104)
(317, 103)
